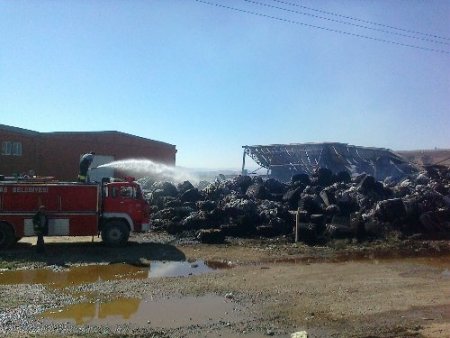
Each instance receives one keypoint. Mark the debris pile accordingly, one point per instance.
(326, 206)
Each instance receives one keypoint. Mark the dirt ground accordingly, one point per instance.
(262, 288)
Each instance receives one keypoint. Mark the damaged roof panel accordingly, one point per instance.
(285, 160)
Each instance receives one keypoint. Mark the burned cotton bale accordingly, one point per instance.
(216, 216)
(274, 215)
(191, 195)
(239, 183)
(307, 233)
(194, 221)
(171, 202)
(242, 213)
(332, 210)
(243, 182)
(206, 205)
(422, 179)
(173, 227)
(328, 196)
(357, 226)
(390, 210)
(343, 176)
(301, 178)
(292, 197)
(170, 213)
(275, 227)
(240, 206)
(323, 177)
(347, 202)
(310, 204)
(266, 231)
(257, 191)
(275, 187)
(247, 224)
(242, 226)
(211, 236)
(367, 184)
(156, 197)
(216, 191)
(338, 231)
(436, 221)
(373, 189)
(168, 189)
(185, 186)
(319, 221)
(282, 226)
(268, 209)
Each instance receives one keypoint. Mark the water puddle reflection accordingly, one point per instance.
(183, 269)
(60, 277)
(166, 313)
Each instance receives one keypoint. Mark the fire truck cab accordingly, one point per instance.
(112, 209)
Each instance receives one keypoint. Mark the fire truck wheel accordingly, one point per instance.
(7, 237)
(115, 233)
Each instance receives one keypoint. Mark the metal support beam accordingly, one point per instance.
(243, 163)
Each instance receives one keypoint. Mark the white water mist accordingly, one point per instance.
(154, 170)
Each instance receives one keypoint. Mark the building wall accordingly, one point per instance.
(62, 151)
(58, 154)
(17, 164)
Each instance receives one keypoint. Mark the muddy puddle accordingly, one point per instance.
(61, 277)
(164, 313)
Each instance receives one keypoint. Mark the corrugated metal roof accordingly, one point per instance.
(285, 160)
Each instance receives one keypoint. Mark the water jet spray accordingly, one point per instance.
(154, 170)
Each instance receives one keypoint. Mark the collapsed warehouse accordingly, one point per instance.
(329, 205)
(283, 161)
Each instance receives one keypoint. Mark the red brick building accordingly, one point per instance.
(58, 153)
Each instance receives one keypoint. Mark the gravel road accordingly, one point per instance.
(161, 286)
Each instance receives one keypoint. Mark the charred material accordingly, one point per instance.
(328, 207)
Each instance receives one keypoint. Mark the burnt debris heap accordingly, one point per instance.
(282, 161)
(329, 205)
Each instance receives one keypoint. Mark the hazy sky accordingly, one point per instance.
(211, 79)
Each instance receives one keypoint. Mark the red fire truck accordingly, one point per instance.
(112, 209)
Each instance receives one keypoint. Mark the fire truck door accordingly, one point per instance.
(124, 201)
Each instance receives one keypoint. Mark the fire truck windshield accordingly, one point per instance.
(122, 191)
